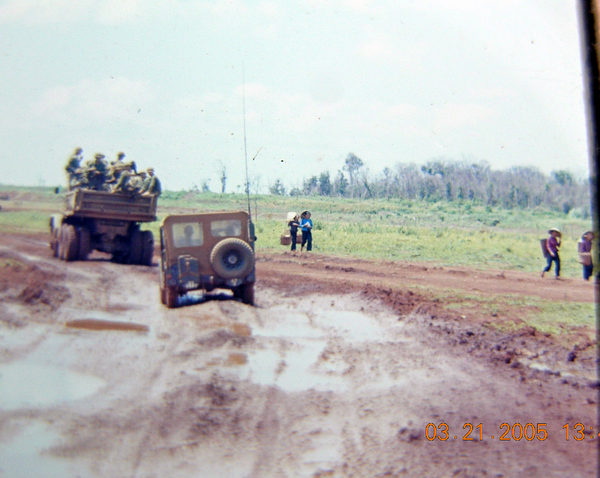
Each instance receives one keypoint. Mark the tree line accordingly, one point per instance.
(445, 180)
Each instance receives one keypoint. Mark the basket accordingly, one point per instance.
(286, 239)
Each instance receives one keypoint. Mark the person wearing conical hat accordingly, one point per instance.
(552, 246)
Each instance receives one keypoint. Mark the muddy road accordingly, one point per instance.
(337, 372)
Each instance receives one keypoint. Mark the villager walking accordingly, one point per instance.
(584, 247)
(552, 246)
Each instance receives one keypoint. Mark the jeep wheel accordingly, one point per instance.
(232, 258)
(171, 298)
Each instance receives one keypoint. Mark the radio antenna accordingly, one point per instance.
(245, 143)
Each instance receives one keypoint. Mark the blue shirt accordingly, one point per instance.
(304, 223)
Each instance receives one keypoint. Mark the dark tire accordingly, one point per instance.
(247, 293)
(163, 295)
(69, 243)
(85, 243)
(136, 247)
(171, 298)
(147, 248)
(232, 258)
(54, 236)
(54, 243)
(118, 258)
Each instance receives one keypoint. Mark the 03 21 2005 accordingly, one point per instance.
(506, 432)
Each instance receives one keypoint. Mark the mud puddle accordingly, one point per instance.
(27, 454)
(40, 379)
(25, 384)
(299, 347)
(99, 324)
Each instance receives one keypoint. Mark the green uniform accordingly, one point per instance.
(73, 164)
(97, 174)
(154, 186)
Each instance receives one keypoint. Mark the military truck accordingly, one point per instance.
(205, 252)
(104, 221)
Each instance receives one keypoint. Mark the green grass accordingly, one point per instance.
(444, 234)
(515, 312)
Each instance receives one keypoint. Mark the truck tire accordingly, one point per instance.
(69, 243)
(163, 295)
(136, 246)
(54, 243)
(247, 293)
(147, 248)
(171, 298)
(232, 258)
(85, 243)
(54, 235)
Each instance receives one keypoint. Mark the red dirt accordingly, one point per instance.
(189, 397)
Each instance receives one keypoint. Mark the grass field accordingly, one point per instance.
(445, 234)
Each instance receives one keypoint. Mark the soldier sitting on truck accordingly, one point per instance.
(97, 173)
(128, 181)
(73, 164)
(117, 167)
(152, 185)
(78, 179)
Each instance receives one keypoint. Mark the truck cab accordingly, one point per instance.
(207, 251)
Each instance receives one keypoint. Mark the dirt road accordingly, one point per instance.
(337, 372)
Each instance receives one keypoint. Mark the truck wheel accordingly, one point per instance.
(135, 247)
(147, 248)
(54, 243)
(171, 298)
(69, 243)
(85, 243)
(232, 258)
(247, 293)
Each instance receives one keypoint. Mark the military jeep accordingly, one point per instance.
(204, 252)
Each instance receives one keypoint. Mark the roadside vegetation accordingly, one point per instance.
(457, 233)
(442, 233)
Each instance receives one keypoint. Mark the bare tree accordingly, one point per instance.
(222, 171)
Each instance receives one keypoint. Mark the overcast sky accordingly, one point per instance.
(388, 80)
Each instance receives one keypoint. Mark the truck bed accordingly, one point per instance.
(87, 203)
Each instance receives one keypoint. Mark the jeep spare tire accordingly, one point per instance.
(232, 258)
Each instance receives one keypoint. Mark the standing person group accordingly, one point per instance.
(120, 175)
(551, 245)
(305, 224)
